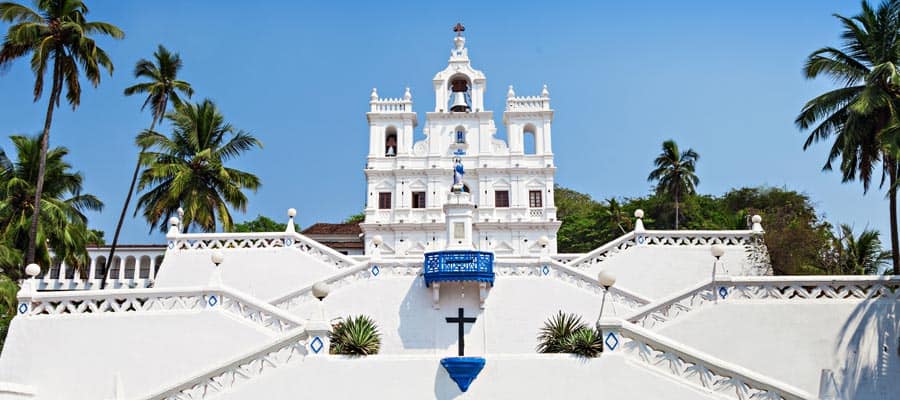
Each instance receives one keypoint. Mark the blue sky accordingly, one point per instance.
(721, 77)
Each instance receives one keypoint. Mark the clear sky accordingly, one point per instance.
(721, 77)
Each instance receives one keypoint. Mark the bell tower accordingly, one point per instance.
(459, 87)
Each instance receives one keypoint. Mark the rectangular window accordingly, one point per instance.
(534, 199)
(384, 200)
(501, 198)
(418, 199)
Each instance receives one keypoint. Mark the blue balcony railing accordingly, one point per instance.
(459, 266)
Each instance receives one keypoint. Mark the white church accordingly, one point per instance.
(460, 271)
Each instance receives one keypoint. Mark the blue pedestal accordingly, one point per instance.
(463, 370)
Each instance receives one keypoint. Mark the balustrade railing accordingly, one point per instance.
(778, 288)
(692, 366)
(663, 238)
(528, 103)
(262, 240)
(42, 304)
(389, 105)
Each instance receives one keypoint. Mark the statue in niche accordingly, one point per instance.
(458, 172)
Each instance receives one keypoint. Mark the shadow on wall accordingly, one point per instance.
(444, 387)
(867, 354)
(423, 327)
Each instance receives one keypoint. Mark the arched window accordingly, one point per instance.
(145, 267)
(130, 263)
(114, 269)
(100, 267)
(529, 139)
(390, 141)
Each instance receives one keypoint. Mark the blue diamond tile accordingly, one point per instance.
(288, 242)
(611, 341)
(171, 245)
(316, 345)
(545, 270)
(640, 240)
(213, 300)
(723, 292)
(375, 270)
(23, 308)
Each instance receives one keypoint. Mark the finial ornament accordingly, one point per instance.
(374, 95)
(545, 92)
(407, 95)
(510, 93)
(459, 29)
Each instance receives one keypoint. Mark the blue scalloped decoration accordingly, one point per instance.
(463, 370)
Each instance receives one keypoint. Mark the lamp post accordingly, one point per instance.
(606, 279)
(320, 330)
(717, 251)
(377, 240)
(543, 241)
(217, 258)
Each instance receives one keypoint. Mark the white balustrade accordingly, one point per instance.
(528, 103)
(389, 105)
(692, 366)
(262, 240)
(133, 267)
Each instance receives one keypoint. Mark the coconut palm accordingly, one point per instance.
(861, 254)
(675, 173)
(161, 87)
(188, 169)
(63, 228)
(615, 215)
(58, 37)
(859, 117)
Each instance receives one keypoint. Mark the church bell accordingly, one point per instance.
(459, 103)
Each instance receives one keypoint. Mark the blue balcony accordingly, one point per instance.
(459, 266)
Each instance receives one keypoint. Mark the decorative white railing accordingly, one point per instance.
(261, 240)
(42, 304)
(692, 366)
(793, 288)
(662, 238)
(528, 103)
(389, 105)
(283, 351)
(566, 258)
(365, 270)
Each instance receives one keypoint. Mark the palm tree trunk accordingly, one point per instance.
(676, 210)
(42, 165)
(134, 176)
(892, 195)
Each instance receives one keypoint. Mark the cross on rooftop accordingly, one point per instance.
(459, 29)
(461, 320)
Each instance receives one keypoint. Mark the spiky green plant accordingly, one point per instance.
(556, 330)
(356, 336)
(585, 342)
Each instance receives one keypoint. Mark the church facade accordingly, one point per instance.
(510, 182)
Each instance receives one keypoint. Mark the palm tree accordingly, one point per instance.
(56, 31)
(615, 215)
(860, 114)
(675, 173)
(187, 169)
(858, 255)
(63, 228)
(161, 88)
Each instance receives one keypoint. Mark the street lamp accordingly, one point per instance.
(215, 280)
(217, 258)
(320, 290)
(606, 279)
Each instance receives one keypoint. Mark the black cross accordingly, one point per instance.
(459, 28)
(461, 320)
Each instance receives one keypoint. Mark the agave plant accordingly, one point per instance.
(557, 329)
(357, 336)
(585, 342)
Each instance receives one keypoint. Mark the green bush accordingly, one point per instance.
(566, 333)
(355, 336)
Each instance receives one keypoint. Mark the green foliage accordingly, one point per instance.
(262, 224)
(566, 333)
(357, 336)
(356, 218)
(859, 118)
(798, 240)
(675, 174)
(161, 85)
(188, 169)
(8, 291)
(63, 225)
(96, 237)
(857, 255)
